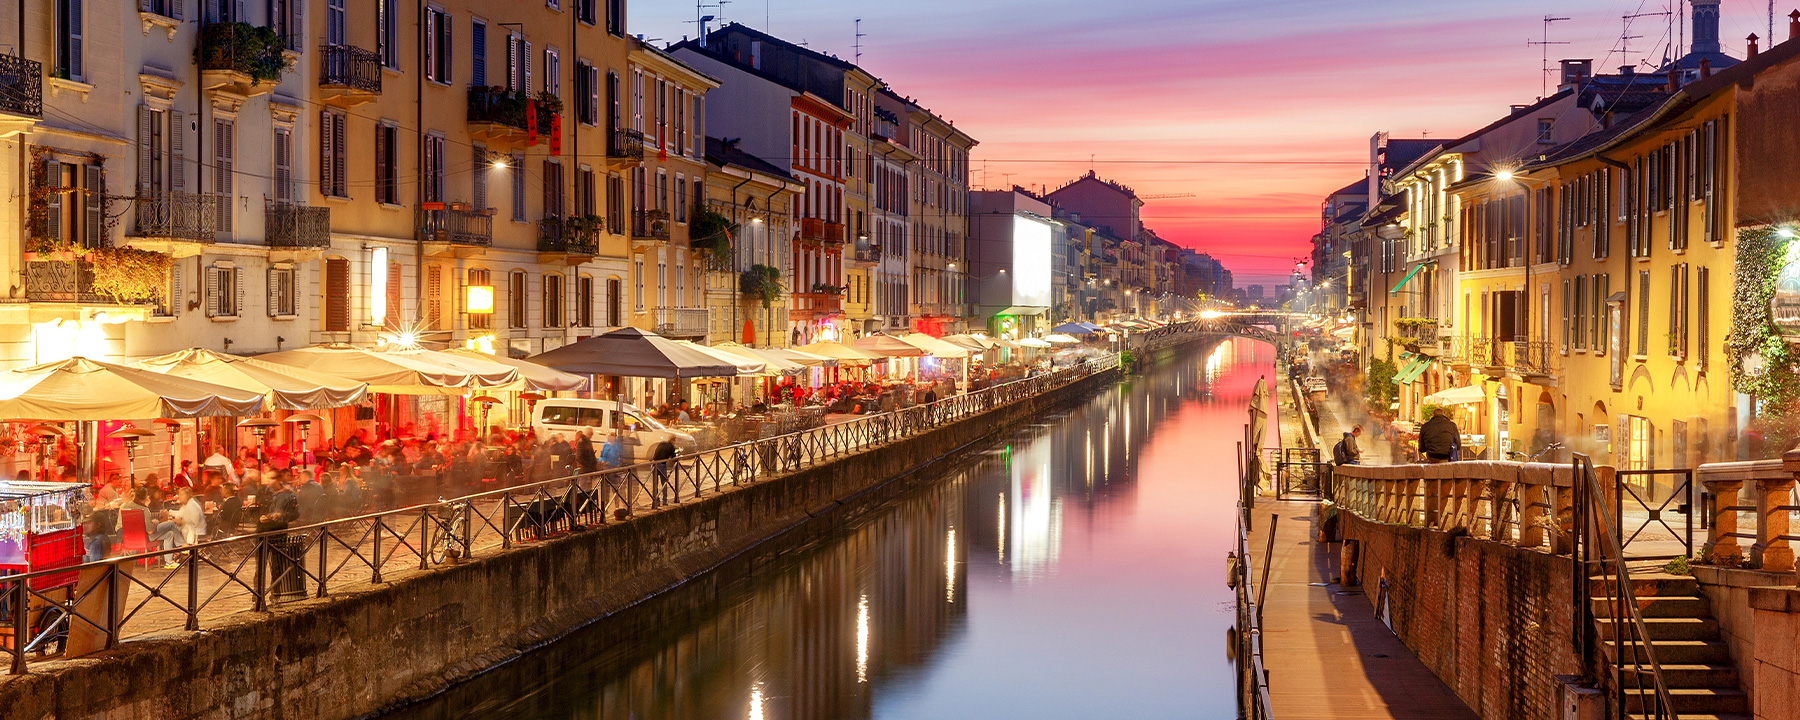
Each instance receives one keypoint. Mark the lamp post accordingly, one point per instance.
(260, 427)
(130, 435)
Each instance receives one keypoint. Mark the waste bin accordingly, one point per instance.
(286, 580)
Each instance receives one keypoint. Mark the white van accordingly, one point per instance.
(569, 416)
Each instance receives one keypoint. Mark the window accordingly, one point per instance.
(284, 18)
(396, 293)
(553, 4)
(515, 299)
(555, 200)
(79, 215)
(334, 23)
(281, 292)
(478, 53)
(1703, 301)
(71, 25)
(585, 200)
(587, 82)
(337, 295)
(699, 196)
(333, 155)
(615, 102)
(681, 215)
(387, 32)
(615, 17)
(479, 277)
(552, 72)
(517, 168)
(224, 148)
(662, 190)
(614, 302)
(662, 283)
(169, 305)
(434, 298)
(584, 11)
(553, 300)
(158, 163)
(387, 158)
(283, 150)
(584, 301)
(518, 63)
(1678, 310)
(434, 168)
(637, 283)
(1599, 330)
(615, 203)
(224, 294)
(439, 39)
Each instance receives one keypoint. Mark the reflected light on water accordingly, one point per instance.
(1000, 537)
(862, 639)
(756, 702)
(950, 566)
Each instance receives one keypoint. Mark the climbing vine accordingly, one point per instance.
(1776, 383)
(129, 275)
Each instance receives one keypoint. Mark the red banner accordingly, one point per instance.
(556, 135)
(531, 122)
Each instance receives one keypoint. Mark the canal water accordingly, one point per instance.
(1072, 569)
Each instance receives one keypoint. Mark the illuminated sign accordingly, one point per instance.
(1030, 262)
(479, 300)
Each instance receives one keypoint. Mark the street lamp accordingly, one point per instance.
(130, 435)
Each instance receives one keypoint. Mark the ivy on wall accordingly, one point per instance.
(1761, 253)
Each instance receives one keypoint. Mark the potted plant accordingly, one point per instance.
(761, 282)
(129, 275)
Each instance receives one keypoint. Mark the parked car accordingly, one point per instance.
(569, 416)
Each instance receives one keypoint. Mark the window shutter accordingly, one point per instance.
(478, 54)
(222, 173)
(1703, 349)
(478, 180)
(274, 292)
(95, 205)
(284, 183)
(212, 291)
(518, 188)
(394, 293)
(326, 153)
(512, 61)
(296, 25)
(1683, 336)
(1643, 336)
(76, 24)
(53, 201)
(1602, 328)
(381, 163)
(337, 295)
(237, 286)
(434, 293)
(431, 21)
(177, 166)
(549, 181)
(146, 146)
(340, 169)
(177, 298)
(525, 65)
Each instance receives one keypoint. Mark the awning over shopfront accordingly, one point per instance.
(83, 389)
(1076, 328)
(482, 370)
(973, 343)
(746, 366)
(1456, 396)
(844, 354)
(288, 387)
(775, 363)
(1409, 275)
(1413, 369)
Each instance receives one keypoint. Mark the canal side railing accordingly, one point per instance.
(96, 606)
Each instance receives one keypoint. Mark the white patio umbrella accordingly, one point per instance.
(288, 387)
(385, 372)
(83, 389)
(532, 376)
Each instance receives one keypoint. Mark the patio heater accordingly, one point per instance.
(302, 421)
(130, 435)
(46, 435)
(260, 427)
(485, 402)
(174, 428)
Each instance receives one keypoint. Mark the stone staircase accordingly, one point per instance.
(1696, 664)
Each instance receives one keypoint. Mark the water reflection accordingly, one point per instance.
(1069, 571)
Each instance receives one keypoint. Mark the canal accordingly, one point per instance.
(1072, 569)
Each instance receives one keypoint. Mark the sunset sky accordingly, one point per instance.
(1159, 92)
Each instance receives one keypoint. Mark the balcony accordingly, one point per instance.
(169, 218)
(1520, 357)
(626, 146)
(864, 255)
(296, 227)
(569, 240)
(69, 280)
(453, 231)
(834, 232)
(241, 59)
(815, 305)
(649, 228)
(502, 117)
(21, 87)
(812, 229)
(1416, 331)
(348, 75)
(683, 322)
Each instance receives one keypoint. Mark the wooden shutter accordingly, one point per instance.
(382, 152)
(223, 142)
(478, 54)
(1702, 297)
(518, 187)
(236, 276)
(478, 180)
(337, 295)
(1602, 329)
(53, 201)
(431, 25)
(327, 154)
(284, 165)
(212, 291)
(1682, 330)
(273, 296)
(340, 162)
(434, 298)
(525, 65)
(549, 189)
(295, 40)
(393, 293)
(512, 61)
(94, 203)
(146, 154)
(177, 151)
(1643, 335)
(73, 34)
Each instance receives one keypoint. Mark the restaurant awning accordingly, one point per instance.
(1456, 396)
(385, 372)
(935, 347)
(746, 367)
(288, 387)
(1033, 343)
(887, 345)
(775, 363)
(83, 389)
(798, 357)
(1075, 328)
(844, 354)
(1409, 275)
(532, 376)
(1061, 338)
(632, 352)
(1413, 369)
(973, 343)
(483, 371)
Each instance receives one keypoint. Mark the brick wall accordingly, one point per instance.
(1492, 621)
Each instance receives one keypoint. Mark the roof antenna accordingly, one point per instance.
(1545, 43)
(860, 36)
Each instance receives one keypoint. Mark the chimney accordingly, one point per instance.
(1705, 68)
(1794, 24)
(1627, 70)
(1575, 72)
(1751, 52)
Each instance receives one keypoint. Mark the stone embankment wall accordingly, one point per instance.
(1493, 621)
(358, 652)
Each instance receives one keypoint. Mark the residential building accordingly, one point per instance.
(1013, 239)
(756, 196)
(668, 188)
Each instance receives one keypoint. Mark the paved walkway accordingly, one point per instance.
(1327, 654)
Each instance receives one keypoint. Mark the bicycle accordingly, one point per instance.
(452, 541)
(1522, 457)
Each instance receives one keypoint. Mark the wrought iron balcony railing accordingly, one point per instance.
(625, 145)
(21, 86)
(171, 215)
(648, 225)
(288, 225)
(454, 226)
(1424, 330)
(683, 322)
(560, 235)
(351, 68)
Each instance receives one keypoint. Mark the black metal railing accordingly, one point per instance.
(1253, 697)
(288, 225)
(1604, 592)
(348, 66)
(649, 225)
(1655, 511)
(21, 86)
(559, 235)
(626, 145)
(199, 585)
(506, 107)
(1423, 330)
(244, 48)
(70, 280)
(172, 215)
(457, 227)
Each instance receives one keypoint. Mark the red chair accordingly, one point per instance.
(133, 538)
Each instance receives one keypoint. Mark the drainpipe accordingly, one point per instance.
(419, 128)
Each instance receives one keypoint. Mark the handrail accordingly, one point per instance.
(1590, 513)
(1253, 676)
(262, 569)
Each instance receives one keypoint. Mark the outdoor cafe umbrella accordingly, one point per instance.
(483, 372)
(532, 376)
(775, 364)
(887, 345)
(633, 353)
(971, 342)
(288, 388)
(1061, 338)
(935, 347)
(1033, 343)
(1464, 395)
(746, 366)
(385, 372)
(1075, 328)
(83, 389)
(797, 357)
(844, 354)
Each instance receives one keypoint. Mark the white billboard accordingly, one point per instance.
(1030, 262)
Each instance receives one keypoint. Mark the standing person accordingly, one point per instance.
(584, 451)
(1438, 438)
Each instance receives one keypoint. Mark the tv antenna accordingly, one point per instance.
(701, 18)
(859, 36)
(1544, 70)
(1625, 38)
